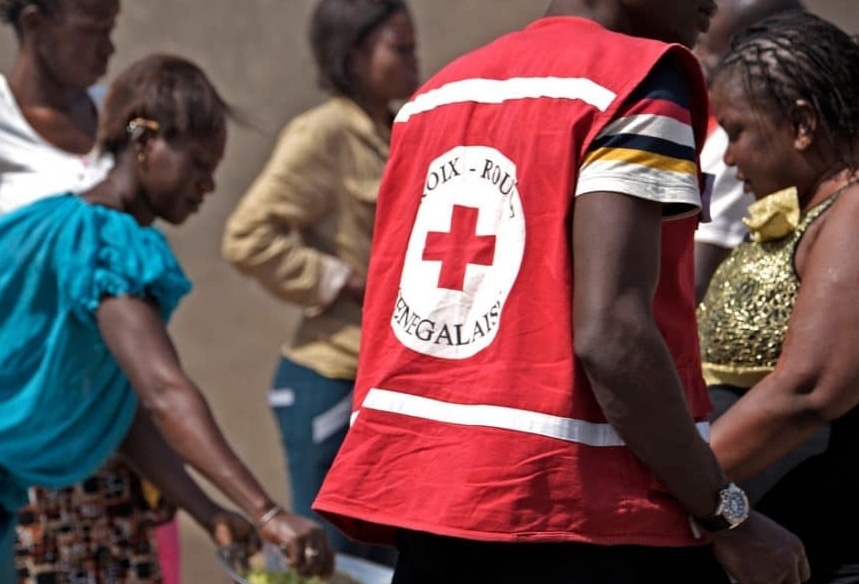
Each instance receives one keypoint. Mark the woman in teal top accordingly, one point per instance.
(65, 404)
(86, 288)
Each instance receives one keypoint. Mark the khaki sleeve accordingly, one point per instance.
(263, 236)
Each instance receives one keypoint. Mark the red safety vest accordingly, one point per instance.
(473, 418)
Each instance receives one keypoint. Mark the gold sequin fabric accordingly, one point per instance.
(744, 316)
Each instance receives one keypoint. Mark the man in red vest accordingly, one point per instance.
(529, 404)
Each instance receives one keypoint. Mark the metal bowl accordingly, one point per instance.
(358, 569)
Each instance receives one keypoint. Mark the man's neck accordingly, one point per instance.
(605, 12)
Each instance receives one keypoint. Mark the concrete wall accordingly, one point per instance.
(228, 331)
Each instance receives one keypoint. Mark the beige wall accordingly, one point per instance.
(255, 50)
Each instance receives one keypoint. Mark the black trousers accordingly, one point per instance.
(431, 559)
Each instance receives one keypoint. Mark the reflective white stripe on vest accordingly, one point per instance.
(568, 429)
(500, 90)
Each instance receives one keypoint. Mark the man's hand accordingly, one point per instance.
(760, 551)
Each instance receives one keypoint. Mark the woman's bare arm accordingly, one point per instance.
(138, 339)
(817, 376)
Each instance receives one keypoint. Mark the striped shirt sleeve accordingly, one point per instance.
(648, 151)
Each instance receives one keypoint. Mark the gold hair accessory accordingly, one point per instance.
(138, 126)
(773, 216)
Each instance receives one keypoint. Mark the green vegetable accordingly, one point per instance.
(259, 576)
(264, 577)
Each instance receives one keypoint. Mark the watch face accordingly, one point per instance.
(735, 504)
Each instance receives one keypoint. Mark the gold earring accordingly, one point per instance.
(141, 157)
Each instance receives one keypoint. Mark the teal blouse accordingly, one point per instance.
(65, 405)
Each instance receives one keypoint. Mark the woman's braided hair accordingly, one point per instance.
(795, 55)
(10, 10)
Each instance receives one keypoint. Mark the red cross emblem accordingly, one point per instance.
(459, 248)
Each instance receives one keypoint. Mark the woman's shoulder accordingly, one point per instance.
(107, 252)
(333, 117)
(68, 221)
(92, 251)
(49, 212)
(329, 110)
(319, 131)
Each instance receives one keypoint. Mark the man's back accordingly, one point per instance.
(469, 310)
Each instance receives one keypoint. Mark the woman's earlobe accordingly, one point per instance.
(139, 146)
(804, 123)
(803, 138)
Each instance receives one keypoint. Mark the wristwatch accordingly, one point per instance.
(731, 511)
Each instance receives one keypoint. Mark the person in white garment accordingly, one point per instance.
(729, 201)
(25, 154)
(49, 99)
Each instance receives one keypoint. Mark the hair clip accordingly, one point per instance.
(138, 126)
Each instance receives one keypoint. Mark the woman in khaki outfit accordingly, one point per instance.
(304, 228)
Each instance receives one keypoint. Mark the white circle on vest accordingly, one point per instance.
(464, 255)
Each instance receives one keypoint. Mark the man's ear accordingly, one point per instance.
(804, 119)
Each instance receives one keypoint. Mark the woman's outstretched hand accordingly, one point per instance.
(230, 529)
(302, 540)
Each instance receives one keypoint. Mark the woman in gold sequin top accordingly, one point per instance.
(779, 324)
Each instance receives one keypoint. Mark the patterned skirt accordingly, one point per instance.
(100, 531)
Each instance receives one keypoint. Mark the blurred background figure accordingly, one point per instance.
(715, 239)
(49, 101)
(48, 119)
(779, 323)
(303, 230)
(86, 362)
